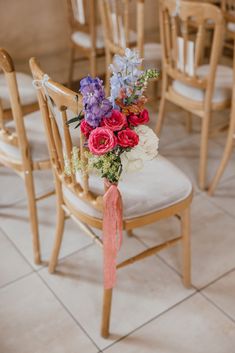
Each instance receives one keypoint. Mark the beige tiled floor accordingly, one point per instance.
(152, 311)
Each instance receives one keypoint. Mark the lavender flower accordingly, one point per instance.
(96, 106)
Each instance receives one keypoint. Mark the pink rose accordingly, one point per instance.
(128, 138)
(101, 140)
(86, 128)
(116, 121)
(142, 118)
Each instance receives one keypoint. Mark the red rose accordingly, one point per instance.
(142, 118)
(116, 121)
(128, 138)
(101, 140)
(86, 128)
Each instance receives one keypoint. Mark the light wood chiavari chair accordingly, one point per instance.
(198, 89)
(23, 146)
(27, 94)
(228, 9)
(86, 36)
(120, 32)
(165, 191)
(230, 140)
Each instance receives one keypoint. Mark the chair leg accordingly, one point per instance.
(108, 58)
(29, 184)
(130, 232)
(189, 122)
(161, 112)
(223, 163)
(71, 66)
(185, 230)
(107, 303)
(93, 64)
(60, 219)
(204, 151)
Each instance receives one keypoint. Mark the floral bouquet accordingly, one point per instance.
(117, 138)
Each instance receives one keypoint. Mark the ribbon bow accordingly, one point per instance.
(112, 232)
(43, 84)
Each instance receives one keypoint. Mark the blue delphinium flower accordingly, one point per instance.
(96, 106)
(126, 72)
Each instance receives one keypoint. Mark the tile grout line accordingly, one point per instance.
(68, 311)
(150, 320)
(218, 307)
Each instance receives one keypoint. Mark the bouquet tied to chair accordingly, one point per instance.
(117, 140)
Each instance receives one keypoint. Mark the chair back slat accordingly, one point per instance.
(116, 22)
(16, 136)
(183, 45)
(79, 11)
(228, 8)
(63, 105)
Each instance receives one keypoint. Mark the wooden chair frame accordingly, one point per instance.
(66, 100)
(171, 72)
(26, 165)
(230, 140)
(228, 9)
(116, 31)
(89, 27)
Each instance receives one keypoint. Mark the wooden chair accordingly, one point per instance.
(86, 37)
(228, 9)
(27, 94)
(117, 21)
(23, 145)
(165, 191)
(230, 140)
(198, 89)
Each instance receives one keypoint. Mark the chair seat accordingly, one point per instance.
(36, 137)
(84, 39)
(223, 85)
(231, 26)
(159, 185)
(26, 90)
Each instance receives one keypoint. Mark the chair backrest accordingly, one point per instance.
(228, 8)
(117, 21)
(57, 104)
(14, 137)
(183, 48)
(82, 17)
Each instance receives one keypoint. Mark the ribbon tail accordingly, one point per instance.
(112, 233)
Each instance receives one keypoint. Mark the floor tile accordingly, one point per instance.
(185, 154)
(222, 293)
(144, 290)
(12, 264)
(213, 241)
(224, 196)
(193, 326)
(32, 320)
(16, 225)
(12, 189)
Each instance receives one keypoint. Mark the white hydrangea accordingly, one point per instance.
(146, 150)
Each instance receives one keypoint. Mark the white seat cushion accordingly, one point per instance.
(231, 26)
(84, 39)
(36, 137)
(159, 185)
(26, 90)
(223, 85)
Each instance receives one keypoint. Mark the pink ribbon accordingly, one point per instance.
(112, 232)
